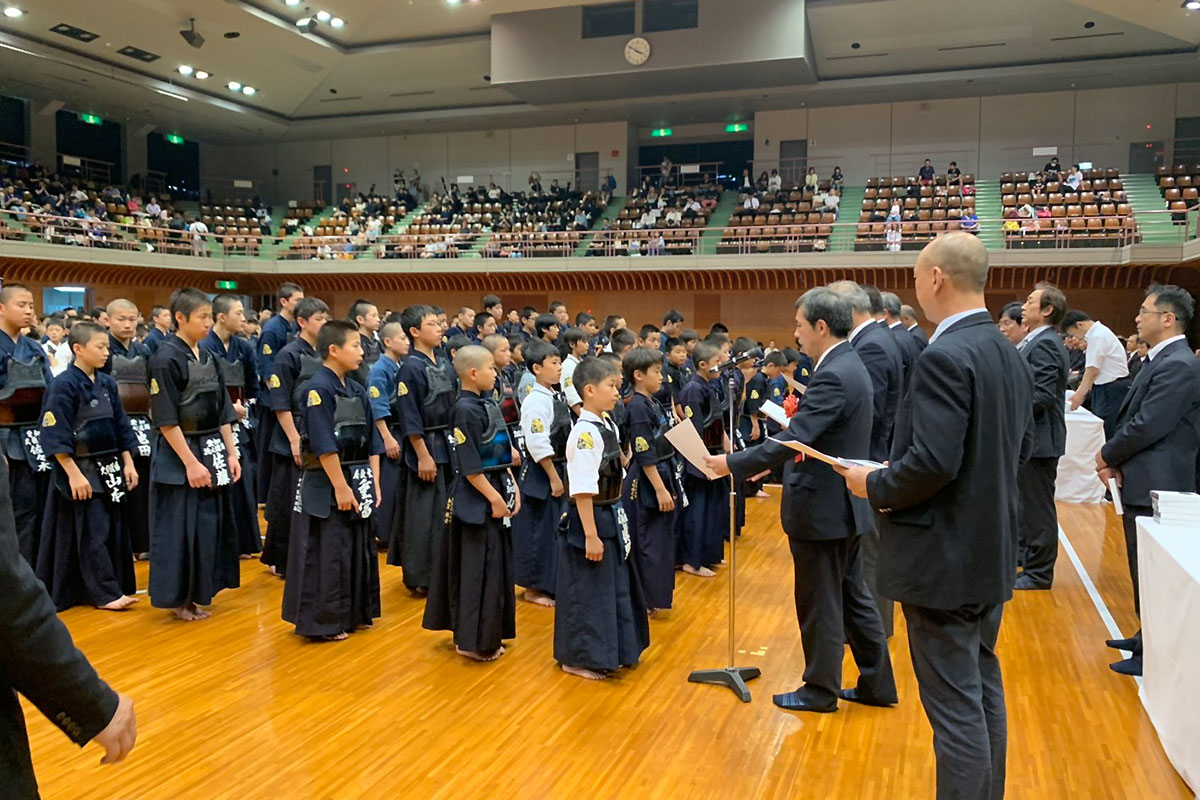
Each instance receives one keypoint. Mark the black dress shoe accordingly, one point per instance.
(1130, 666)
(800, 700)
(1127, 645)
(856, 696)
(1027, 581)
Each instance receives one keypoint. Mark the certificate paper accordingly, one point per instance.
(797, 387)
(775, 413)
(832, 461)
(687, 442)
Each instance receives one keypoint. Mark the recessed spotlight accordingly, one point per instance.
(234, 86)
(12, 12)
(233, 34)
(324, 16)
(1089, 24)
(292, 2)
(337, 22)
(185, 70)
(201, 74)
(248, 91)
(855, 45)
(1190, 5)
(453, 2)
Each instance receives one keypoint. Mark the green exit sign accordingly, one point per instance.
(736, 127)
(91, 119)
(662, 132)
(174, 138)
(226, 284)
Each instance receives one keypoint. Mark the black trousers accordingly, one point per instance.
(834, 608)
(1129, 523)
(1106, 403)
(870, 568)
(1039, 519)
(958, 674)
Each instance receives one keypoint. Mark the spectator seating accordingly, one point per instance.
(1180, 189)
(789, 220)
(674, 242)
(1098, 214)
(925, 211)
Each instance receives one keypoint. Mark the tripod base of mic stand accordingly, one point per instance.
(733, 677)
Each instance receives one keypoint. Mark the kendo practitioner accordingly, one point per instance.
(160, 319)
(365, 316)
(235, 357)
(704, 524)
(332, 586)
(129, 365)
(823, 522)
(427, 396)
(294, 366)
(652, 490)
(545, 424)
(84, 555)
(276, 333)
(24, 376)
(600, 620)
(383, 385)
(193, 529)
(750, 424)
(471, 589)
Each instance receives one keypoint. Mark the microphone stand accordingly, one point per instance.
(731, 676)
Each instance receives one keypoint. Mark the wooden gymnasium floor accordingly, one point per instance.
(239, 707)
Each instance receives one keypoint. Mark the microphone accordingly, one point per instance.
(754, 354)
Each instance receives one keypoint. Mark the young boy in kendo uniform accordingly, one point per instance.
(294, 365)
(235, 356)
(193, 533)
(332, 586)
(129, 365)
(84, 554)
(24, 376)
(599, 614)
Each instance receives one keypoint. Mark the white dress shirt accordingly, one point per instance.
(1105, 353)
(1158, 348)
(953, 318)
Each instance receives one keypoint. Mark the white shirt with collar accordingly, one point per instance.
(585, 452)
(537, 417)
(1158, 348)
(1033, 334)
(953, 318)
(859, 329)
(60, 356)
(1105, 353)
(828, 350)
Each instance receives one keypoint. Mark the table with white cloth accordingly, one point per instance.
(1169, 573)
(1076, 481)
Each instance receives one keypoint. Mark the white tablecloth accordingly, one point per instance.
(1169, 572)
(1077, 481)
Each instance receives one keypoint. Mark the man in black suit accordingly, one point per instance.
(908, 316)
(38, 660)
(909, 346)
(1158, 430)
(1043, 349)
(880, 354)
(823, 522)
(950, 501)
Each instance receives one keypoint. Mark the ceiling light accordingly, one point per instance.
(171, 94)
(248, 90)
(201, 74)
(20, 50)
(324, 16)
(453, 2)
(185, 70)
(337, 22)
(12, 12)
(70, 288)
(292, 2)
(234, 86)
(1190, 5)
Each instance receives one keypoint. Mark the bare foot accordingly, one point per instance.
(200, 612)
(537, 598)
(703, 572)
(586, 674)
(336, 637)
(271, 569)
(186, 613)
(492, 656)
(120, 604)
(419, 591)
(763, 494)
(246, 556)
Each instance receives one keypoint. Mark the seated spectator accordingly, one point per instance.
(1052, 168)
(1075, 177)
(893, 237)
(693, 208)
(894, 213)
(761, 183)
(926, 174)
(775, 182)
(751, 202)
(673, 217)
(837, 181)
(153, 209)
(493, 192)
(747, 182)
(830, 204)
(811, 181)
(970, 221)
(953, 174)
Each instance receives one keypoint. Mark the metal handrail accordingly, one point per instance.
(743, 238)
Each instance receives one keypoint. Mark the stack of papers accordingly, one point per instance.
(1176, 508)
(833, 461)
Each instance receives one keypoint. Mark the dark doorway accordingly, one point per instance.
(95, 147)
(323, 183)
(172, 168)
(1146, 156)
(12, 130)
(733, 156)
(1187, 140)
(587, 172)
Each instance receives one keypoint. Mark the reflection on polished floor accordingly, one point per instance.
(239, 707)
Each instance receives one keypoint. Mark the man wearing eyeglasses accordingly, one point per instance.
(1158, 430)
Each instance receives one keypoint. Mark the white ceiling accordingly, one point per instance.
(405, 65)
